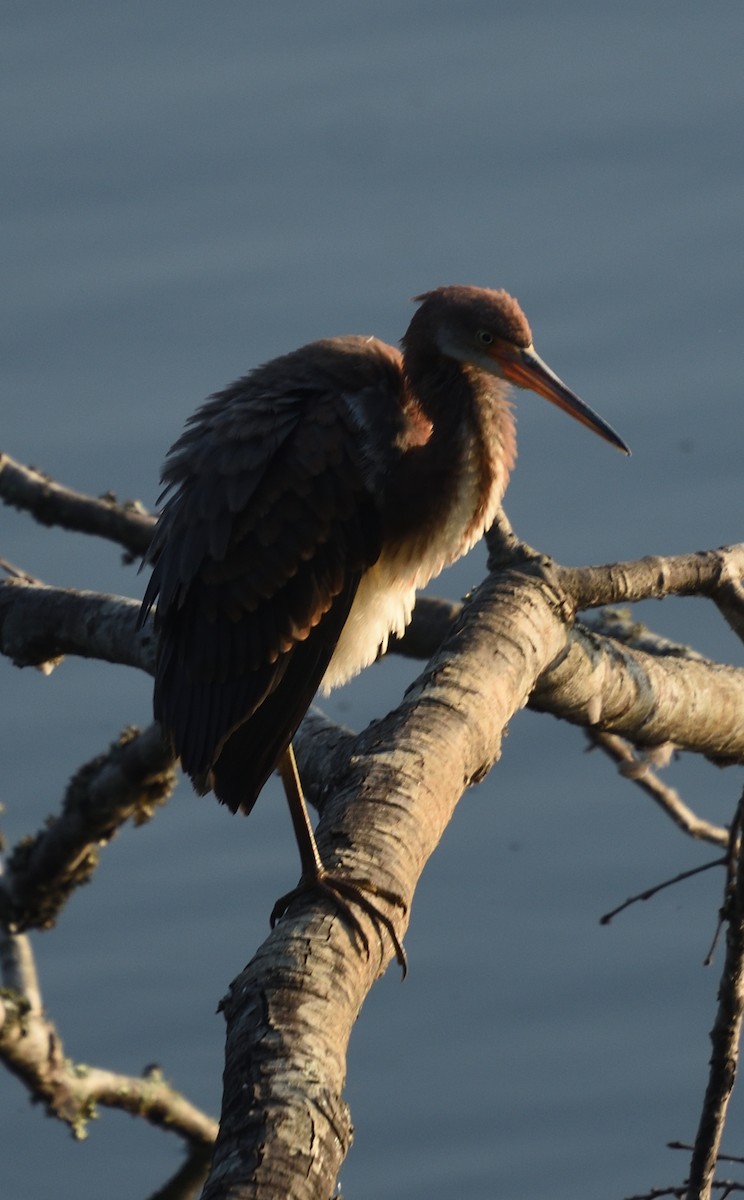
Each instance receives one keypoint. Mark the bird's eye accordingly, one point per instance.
(485, 337)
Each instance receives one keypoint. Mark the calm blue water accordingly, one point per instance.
(192, 189)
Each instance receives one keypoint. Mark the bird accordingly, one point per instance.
(303, 507)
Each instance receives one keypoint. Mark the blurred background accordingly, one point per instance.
(192, 189)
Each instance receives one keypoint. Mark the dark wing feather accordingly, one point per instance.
(261, 740)
(272, 519)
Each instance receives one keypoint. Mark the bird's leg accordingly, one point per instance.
(316, 877)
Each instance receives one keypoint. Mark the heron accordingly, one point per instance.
(305, 505)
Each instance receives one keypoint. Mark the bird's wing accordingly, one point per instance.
(258, 553)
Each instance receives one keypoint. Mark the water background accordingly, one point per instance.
(191, 189)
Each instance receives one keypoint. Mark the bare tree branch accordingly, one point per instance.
(40, 624)
(654, 577)
(726, 1187)
(386, 796)
(696, 704)
(50, 503)
(726, 1033)
(621, 624)
(136, 774)
(735, 1158)
(649, 893)
(730, 600)
(383, 817)
(31, 1048)
(651, 701)
(18, 969)
(639, 768)
(390, 804)
(186, 1183)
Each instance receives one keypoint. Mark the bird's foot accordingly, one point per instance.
(345, 893)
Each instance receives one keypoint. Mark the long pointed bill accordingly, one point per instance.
(526, 369)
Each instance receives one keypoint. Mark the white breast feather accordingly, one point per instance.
(387, 591)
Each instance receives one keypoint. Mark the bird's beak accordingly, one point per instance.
(525, 368)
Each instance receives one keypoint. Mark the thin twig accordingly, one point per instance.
(637, 767)
(18, 572)
(726, 1031)
(659, 887)
(734, 1158)
(726, 1187)
(657, 1193)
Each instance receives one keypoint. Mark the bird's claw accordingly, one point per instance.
(344, 892)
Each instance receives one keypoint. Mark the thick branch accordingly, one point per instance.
(696, 705)
(654, 577)
(714, 573)
(387, 805)
(39, 624)
(391, 801)
(283, 1114)
(648, 698)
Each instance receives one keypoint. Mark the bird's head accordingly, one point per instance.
(487, 329)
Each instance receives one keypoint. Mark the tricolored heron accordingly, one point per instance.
(306, 504)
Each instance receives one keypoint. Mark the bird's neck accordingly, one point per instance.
(463, 464)
(469, 412)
